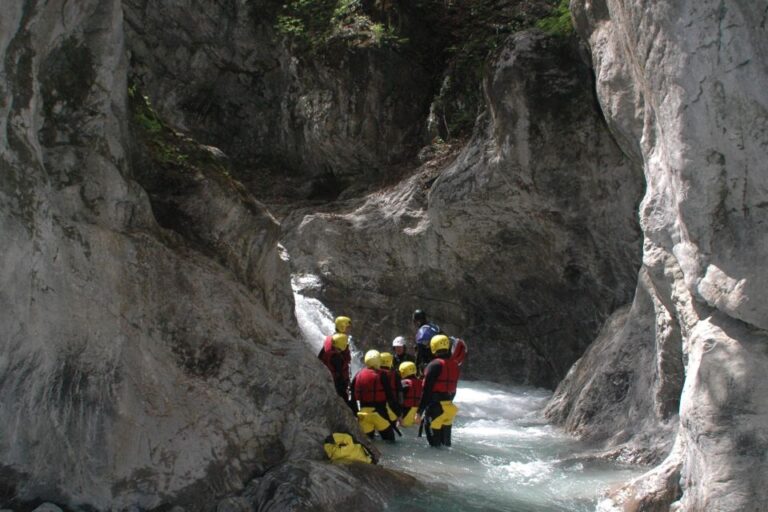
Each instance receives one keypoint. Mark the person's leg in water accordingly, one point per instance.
(388, 434)
(446, 438)
(434, 435)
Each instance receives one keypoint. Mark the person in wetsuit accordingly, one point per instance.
(332, 355)
(372, 389)
(425, 331)
(412, 386)
(400, 352)
(436, 407)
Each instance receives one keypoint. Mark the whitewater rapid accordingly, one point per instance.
(504, 457)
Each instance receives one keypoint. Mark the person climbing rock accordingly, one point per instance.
(393, 376)
(412, 386)
(436, 407)
(372, 389)
(400, 352)
(332, 355)
(336, 356)
(425, 331)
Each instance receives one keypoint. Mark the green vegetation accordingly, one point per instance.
(166, 147)
(559, 22)
(315, 24)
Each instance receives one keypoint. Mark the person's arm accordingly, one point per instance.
(391, 400)
(431, 375)
(353, 398)
(399, 388)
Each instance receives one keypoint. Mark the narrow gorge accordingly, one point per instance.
(578, 190)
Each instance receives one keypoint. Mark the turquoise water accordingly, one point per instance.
(503, 458)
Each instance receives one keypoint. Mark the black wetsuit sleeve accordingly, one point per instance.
(399, 387)
(353, 398)
(391, 399)
(341, 381)
(423, 355)
(430, 377)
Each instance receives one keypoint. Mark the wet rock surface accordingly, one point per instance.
(522, 245)
(136, 369)
(677, 82)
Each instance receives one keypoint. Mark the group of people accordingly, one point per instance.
(395, 389)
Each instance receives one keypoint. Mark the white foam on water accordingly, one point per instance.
(504, 457)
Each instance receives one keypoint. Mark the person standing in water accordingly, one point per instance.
(400, 353)
(393, 376)
(436, 407)
(411, 392)
(371, 387)
(424, 333)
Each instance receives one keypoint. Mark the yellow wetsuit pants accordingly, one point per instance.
(445, 417)
(408, 418)
(371, 420)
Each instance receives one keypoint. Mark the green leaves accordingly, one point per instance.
(558, 23)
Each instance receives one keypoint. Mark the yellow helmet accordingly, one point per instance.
(386, 360)
(439, 342)
(342, 324)
(340, 341)
(373, 359)
(407, 369)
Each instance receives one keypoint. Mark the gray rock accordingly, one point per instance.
(522, 245)
(221, 72)
(135, 369)
(234, 505)
(314, 485)
(47, 507)
(681, 86)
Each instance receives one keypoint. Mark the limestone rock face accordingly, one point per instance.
(218, 70)
(532, 226)
(136, 370)
(682, 87)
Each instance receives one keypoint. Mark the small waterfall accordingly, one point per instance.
(316, 320)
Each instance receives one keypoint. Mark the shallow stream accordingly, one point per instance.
(504, 456)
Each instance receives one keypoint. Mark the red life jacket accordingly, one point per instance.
(449, 376)
(327, 353)
(392, 379)
(368, 387)
(412, 392)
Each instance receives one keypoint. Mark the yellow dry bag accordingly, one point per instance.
(341, 447)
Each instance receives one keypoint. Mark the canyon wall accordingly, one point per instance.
(682, 88)
(139, 366)
(523, 244)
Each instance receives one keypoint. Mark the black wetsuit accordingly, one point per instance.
(399, 359)
(430, 407)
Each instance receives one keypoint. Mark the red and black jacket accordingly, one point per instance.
(336, 360)
(369, 388)
(395, 384)
(372, 389)
(412, 392)
(440, 379)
